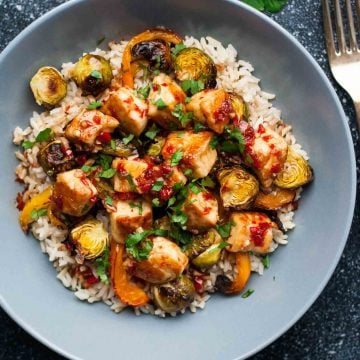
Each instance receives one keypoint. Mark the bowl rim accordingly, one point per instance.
(306, 306)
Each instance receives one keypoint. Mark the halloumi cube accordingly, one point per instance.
(201, 210)
(251, 231)
(73, 193)
(128, 217)
(88, 125)
(212, 107)
(130, 110)
(166, 91)
(195, 148)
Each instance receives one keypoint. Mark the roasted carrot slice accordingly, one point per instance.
(128, 292)
(39, 201)
(243, 268)
(148, 35)
(275, 199)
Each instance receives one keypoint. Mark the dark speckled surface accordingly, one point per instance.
(331, 328)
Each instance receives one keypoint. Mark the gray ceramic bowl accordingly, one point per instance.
(229, 327)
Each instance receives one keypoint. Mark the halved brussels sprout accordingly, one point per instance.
(193, 64)
(274, 200)
(56, 157)
(90, 238)
(103, 187)
(118, 148)
(209, 257)
(175, 295)
(155, 148)
(238, 188)
(296, 172)
(239, 106)
(201, 242)
(92, 73)
(156, 52)
(48, 86)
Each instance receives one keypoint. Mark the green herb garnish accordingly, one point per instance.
(94, 105)
(192, 86)
(152, 132)
(102, 265)
(144, 92)
(183, 116)
(128, 139)
(155, 202)
(109, 200)
(137, 205)
(107, 174)
(44, 135)
(177, 48)
(96, 74)
(247, 293)
(199, 127)
(37, 213)
(266, 261)
(214, 142)
(224, 230)
(176, 158)
(131, 182)
(157, 186)
(272, 6)
(207, 182)
(159, 103)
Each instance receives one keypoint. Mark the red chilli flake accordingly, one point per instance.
(276, 168)
(104, 137)
(257, 233)
(81, 159)
(97, 119)
(207, 210)
(261, 129)
(222, 113)
(128, 100)
(19, 201)
(207, 195)
(165, 192)
(199, 284)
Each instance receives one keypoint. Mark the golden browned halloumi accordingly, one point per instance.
(268, 153)
(195, 148)
(88, 125)
(166, 262)
(251, 231)
(128, 217)
(212, 107)
(201, 210)
(128, 173)
(130, 110)
(164, 95)
(73, 193)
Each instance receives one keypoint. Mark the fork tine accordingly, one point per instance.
(353, 42)
(329, 35)
(357, 3)
(339, 27)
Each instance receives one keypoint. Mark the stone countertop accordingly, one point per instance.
(331, 327)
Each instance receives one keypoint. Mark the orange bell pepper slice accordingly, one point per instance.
(243, 267)
(128, 292)
(148, 35)
(39, 201)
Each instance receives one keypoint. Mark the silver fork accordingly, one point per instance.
(344, 59)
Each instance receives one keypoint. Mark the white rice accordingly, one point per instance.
(233, 75)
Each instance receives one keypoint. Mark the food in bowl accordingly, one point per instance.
(163, 173)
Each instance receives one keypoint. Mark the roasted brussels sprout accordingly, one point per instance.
(193, 64)
(274, 200)
(48, 86)
(118, 148)
(162, 223)
(175, 295)
(201, 242)
(238, 188)
(296, 172)
(156, 52)
(92, 73)
(155, 148)
(239, 106)
(103, 187)
(209, 257)
(90, 238)
(56, 157)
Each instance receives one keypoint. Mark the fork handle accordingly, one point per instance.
(357, 110)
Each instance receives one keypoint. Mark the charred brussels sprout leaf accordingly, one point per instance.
(117, 148)
(90, 238)
(175, 295)
(238, 188)
(48, 86)
(296, 172)
(156, 52)
(202, 242)
(193, 64)
(56, 157)
(239, 106)
(92, 73)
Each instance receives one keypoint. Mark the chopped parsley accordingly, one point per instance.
(113, 144)
(37, 213)
(247, 293)
(176, 158)
(96, 74)
(152, 132)
(137, 205)
(107, 174)
(214, 142)
(157, 186)
(199, 127)
(131, 182)
(179, 217)
(272, 6)
(220, 246)
(194, 188)
(183, 116)
(171, 201)
(144, 92)
(177, 48)
(188, 172)
(155, 202)
(87, 168)
(109, 200)
(192, 86)
(94, 105)
(102, 265)
(187, 99)
(207, 182)
(104, 161)
(266, 261)
(224, 230)
(44, 135)
(160, 104)
(181, 236)
(126, 140)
